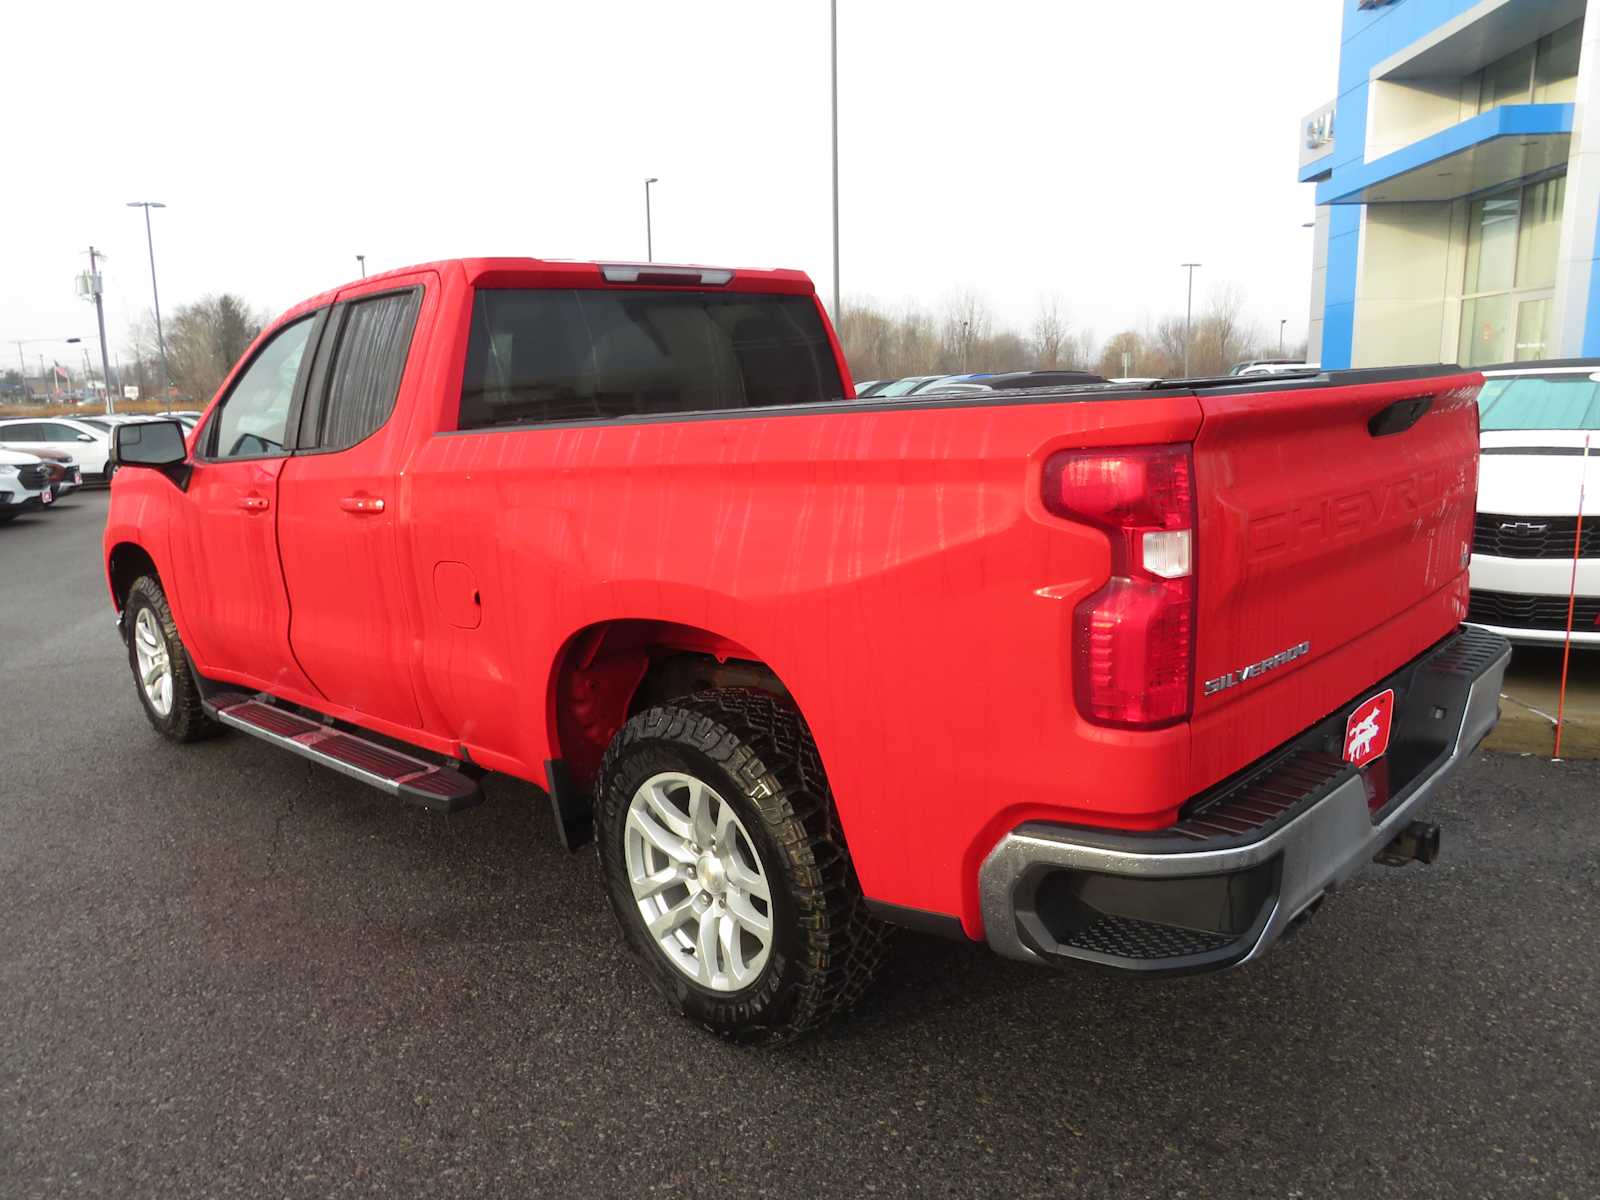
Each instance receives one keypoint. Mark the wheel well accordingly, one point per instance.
(127, 563)
(612, 670)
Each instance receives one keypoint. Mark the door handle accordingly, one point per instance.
(362, 506)
(255, 503)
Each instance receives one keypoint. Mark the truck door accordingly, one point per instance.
(230, 585)
(336, 516)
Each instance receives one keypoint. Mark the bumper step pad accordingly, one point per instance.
(428, 785)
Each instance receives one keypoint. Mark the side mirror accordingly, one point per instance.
(156, 444)
(85, 437)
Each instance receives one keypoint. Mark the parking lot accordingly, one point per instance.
(224, 971)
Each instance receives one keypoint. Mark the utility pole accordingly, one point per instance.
(1188, 317)
(362, 259)
(155, 295)
(649, 242)
(833, 45)
(1281, 323)
(91, 286)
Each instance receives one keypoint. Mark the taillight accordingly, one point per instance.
(1133, 640)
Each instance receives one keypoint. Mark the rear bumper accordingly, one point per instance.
(1251, 856)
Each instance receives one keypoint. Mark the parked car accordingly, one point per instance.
(1256, 364)
(1273, 367)
(867, 386)
(804, 668)
(902, 387)
(88, 442)
(1012, 380)
(65, 475)
(24, 483)
(1535, 419)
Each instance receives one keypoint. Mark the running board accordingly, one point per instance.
(429, 785)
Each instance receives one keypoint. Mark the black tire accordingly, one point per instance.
(187, 720)
(754, 750)
(107, 473)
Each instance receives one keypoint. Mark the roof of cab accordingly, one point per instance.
(557, 272)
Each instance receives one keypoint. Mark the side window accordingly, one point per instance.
(253, 417)
(60, 433)
(368, 361)
(20, 432)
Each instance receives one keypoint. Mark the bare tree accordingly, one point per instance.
(1051, 333)
(965, 324)
(1124, 354)
(204, 340)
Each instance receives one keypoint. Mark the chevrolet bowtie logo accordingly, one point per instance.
(1524, 528)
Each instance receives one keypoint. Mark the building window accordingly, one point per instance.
(1542, 72)
(1511, 270)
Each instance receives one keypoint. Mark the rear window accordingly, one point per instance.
(543, 356)
(1529, 402)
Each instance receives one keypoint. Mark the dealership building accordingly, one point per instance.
(1457, 186)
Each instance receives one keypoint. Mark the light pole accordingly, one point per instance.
(362, 259)
(1188, 316)
(90, 288)
(161, 341)
(649, 242)
(833, 58)
(1282, 321)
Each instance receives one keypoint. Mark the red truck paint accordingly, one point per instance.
(892, 564)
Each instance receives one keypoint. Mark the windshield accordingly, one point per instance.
(561, 355)
(1532, 402)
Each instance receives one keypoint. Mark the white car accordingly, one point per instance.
(1256, 369)
(24, 483)
(1533, 422)
(91, 446)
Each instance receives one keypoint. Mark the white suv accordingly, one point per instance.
(24, 483)
(1533, 422)
(90, 446)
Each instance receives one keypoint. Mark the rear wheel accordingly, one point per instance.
(161, 672)
(727, 869)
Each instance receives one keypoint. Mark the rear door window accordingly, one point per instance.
(577, 355)
(364, 376)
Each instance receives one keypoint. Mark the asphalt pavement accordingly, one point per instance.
(228, 972)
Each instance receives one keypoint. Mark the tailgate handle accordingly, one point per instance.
(1399, 416)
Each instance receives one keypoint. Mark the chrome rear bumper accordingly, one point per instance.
(1174, 901)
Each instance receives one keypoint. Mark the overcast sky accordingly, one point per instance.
(1016, 147)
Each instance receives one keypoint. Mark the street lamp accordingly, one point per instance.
(1282, 321)
(362, 259)
(1188, 316)
(161, 341)
(649, 244)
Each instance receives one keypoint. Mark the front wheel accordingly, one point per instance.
(161, 672)
(726, 867)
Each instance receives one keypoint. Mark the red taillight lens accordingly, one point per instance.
(1133, 640)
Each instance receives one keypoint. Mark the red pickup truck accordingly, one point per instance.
(1121, 675)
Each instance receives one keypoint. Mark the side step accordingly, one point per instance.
(412, 779)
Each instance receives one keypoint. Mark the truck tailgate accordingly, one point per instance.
(1335, 530)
